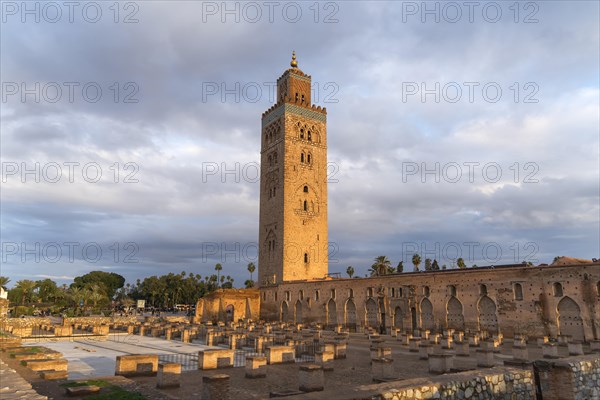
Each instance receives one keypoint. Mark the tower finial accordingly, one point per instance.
(294, 63)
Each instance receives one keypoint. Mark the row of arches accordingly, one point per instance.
(568, 315)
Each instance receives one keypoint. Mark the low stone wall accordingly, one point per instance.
(494, 383)
(470, 385)
(97, 321)
(29, 322)
(575, 378)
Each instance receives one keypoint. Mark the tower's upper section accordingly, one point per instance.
(294, 87)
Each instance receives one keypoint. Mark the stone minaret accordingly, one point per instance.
(293, 184)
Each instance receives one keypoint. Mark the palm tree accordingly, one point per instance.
(26, 287)
(4, 281)
(251, 269)
(416, 260)
(350, 271)
(76, 295)
(381, 266)
(461, 263)
(218, 268)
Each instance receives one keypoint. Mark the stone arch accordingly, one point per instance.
(454, 314)
(488, 320)
(398, 318)
(229, 313)
(331, 312)
(284, 311)
(350, 315)
(298, 312)
(371, 308)
(427, 320)
(569, 319)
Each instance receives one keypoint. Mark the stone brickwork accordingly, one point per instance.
(498, 383)
(228, 305)
(293, 242)
(451, 298)
(137, 365)
(576, 378)
(168, 376)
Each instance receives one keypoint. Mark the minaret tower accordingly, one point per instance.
(293, 184)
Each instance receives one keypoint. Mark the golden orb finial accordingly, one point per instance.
(294, 63)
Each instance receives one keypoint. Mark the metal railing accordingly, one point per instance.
(188, 361)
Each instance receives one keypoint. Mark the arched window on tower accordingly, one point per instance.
(309, 159)
(305, 189)
(301, 133)
(305, 258)
(302, 158)
(305, 206)
(296, 97)
(558, 290)
(309, 136)
(303, 98)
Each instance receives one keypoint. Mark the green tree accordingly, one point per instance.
(460, 263)
(109, 280)
(76, 295)
(218, 268)
(381, 266)
(435, 266)
(96, 293)
(47, 290)
(249, 283)
(416, 260)
(251, 269)
(4, 281)
(228, 283)
(428, 264)
(350, 271)
(26, 288)
(400, 267)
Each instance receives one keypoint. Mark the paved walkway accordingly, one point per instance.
(93, 358)
(12, 386)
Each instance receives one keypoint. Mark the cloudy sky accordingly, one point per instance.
(134, 131)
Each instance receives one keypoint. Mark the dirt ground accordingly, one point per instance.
(353, 371)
